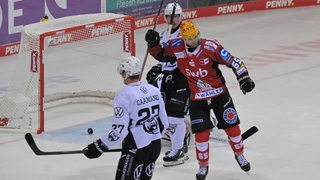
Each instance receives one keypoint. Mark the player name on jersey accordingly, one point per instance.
(147, 99)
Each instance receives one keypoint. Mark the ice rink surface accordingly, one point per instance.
(281, 49)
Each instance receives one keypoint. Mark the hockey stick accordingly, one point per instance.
(171, 20)
(39, 152)
(147, 51)
(251, 131)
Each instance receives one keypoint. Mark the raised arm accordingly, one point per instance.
(155, 48)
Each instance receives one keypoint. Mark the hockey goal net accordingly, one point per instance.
(63, 61)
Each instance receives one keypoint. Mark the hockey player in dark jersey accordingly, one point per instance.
(175, 91)
(139, 123)
(199, 59)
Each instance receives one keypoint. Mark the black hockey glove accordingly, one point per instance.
(246, 83)
(95, 149)
(153, 74)
(152, 37)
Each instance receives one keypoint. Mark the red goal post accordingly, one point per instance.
(65, 61)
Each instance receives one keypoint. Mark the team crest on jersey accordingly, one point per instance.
(143, 89)
(112, 136)
(191, 63)
(224, 54)
(118, 112)
(230, 116)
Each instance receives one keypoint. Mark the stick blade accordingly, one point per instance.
(32, 144)
(249, 132)
(29, 138)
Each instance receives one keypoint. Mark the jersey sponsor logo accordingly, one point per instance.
(230, 115)
(176, 42)
(148, 99)
(196, 121)
(118, 112)
(199, 73)
(204, 85)
(210, 93)
(149, 169)
(137, 172)
(224, 54)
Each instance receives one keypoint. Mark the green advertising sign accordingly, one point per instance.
(121, 4)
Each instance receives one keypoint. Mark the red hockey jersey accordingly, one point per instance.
(200, 66)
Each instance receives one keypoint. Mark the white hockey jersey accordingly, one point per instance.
(138, 109)
(169, 66)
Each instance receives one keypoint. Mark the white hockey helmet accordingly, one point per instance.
(169, 9)
(131, 65)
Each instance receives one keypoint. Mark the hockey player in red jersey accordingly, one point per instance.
(199, 59)
(175, 92)
(139, 122)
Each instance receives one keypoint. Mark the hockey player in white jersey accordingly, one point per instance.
(139, 123)
(175, 91)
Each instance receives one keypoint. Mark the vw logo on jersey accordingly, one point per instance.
(118, 112)
(149, 169)
(230, 115)
(224, 54)
(137, 172)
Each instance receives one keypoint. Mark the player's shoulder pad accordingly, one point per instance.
(174, 43)
(212, 43)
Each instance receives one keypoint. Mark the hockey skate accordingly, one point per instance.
(243, 163)
(174, 158)
(202, 173)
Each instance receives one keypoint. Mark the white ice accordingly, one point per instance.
(284, 106)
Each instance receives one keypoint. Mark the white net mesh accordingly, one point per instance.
(79, 56)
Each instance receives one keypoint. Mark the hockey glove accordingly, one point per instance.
(246, 83)
(95, 149)
(153, 74)
(152, 37)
